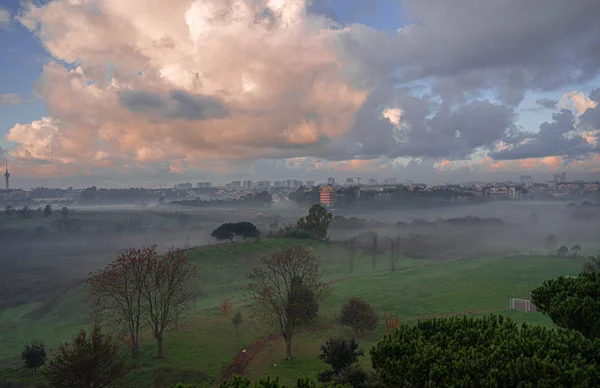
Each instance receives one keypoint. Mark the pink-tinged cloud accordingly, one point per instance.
(273, 72)
(577, 101)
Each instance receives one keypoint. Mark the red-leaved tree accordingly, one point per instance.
(117, 290)
(143, 286)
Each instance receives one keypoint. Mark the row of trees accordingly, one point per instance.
(141, 286)
(551, 242)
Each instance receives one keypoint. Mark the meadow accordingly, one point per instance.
(206, 340)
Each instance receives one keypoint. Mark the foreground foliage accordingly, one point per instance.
(92, 360)
(243, 382)
(572, 303)
(485, 352)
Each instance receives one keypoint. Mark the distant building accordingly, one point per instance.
(372, 181)
(236, 185)
(409, 183)
(279, 184)
(327, 195)
(310, 183)
(203, 185)
(526, 180)
(331, 181)
(560, 178)
(247, 185)
(292, 183)
(349, 182)
(263, 185)
(389, 181)
(183, 186)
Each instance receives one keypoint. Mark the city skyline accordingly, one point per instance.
(293, 89)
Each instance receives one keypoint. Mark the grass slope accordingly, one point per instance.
(206, 340)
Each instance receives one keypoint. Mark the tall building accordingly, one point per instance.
(203, 185)
(7, 176)
(349, 181)
(372, 181)
(389, 181)
(560, 178)
(327, 195)
(526, 180)
(310, 183)
(247, 185)
(331, 181)
(236, 185)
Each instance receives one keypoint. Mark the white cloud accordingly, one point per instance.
(4, 18)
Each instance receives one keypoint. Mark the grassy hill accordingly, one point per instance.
(206, 340)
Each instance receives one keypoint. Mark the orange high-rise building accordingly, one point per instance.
(327, 195)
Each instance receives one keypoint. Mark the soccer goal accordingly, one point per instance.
(520, 304)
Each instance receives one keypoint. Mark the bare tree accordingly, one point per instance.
(375, 250)
(275, 289)
(116, 292)
(352, 256)
(167, 291)
(392, 256)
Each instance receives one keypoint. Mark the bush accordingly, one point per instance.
(485, 352)
(359, 315)
(339, 353)
(34, 355)
(92, 360)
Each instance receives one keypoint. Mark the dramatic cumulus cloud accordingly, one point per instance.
(231, 85)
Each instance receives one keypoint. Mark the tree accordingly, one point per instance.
(34, 355)
(571, 303)
(375, 250)
(225, 306)
(275, 289)
(246, 229)
(237, 321)
(393, 256)
(90, 360)
(593, 265)
(359, 315)
(167, 291)
(306, 303)
(48, 210)
(550, 243)
(575, 249)
(224, 232)
(352, 256)
(8, 210)
(339, 353)
(492, 351)
(317, 221)
(64, 212)
(117, 291)
(563, 250)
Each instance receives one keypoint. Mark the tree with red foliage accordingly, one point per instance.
(117, 290)
(141, 285)
(225, 306)
(91, 360)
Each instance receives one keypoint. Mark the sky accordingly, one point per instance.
(119, 93)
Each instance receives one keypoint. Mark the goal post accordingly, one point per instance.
(520, 304)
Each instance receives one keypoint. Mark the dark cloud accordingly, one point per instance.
(427, 128)
(507, 46)
(557, 138)
(547, 103)
(590, 119)
(178, 104)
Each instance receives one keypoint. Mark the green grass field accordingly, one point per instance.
(206, 339)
